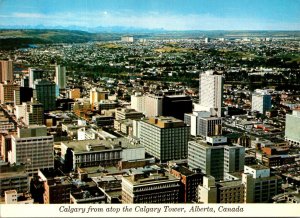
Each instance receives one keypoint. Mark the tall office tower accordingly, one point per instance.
(211, 92)
(215, 159)
(292, 128)
(138, 102)
(153, 105)
(34, 113)
(260, 185)
(177, 105)
(261, 101)
(22, 94)
(156, 188)
(7, 92)
(33, 148)
(44, 92)
(209, 126)
(96, 95)
(60, 77)
(35, 74)
(6, 71)
(165, 138)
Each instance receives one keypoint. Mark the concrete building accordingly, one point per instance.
(165, 138)
(35, 74)
(221, 192)
(106, 105)
(12, 197)
(96, 95)
(214, 159)
(261, 101)
(260, 185)
(192, 120)
(207, 193)
(153, 105)
(211, 92)
(124, 113)
(156, 188)
(34, 113)
(13, 177)
(33, 148)
(209, 126)
(60, 77)
(6, 71)
(44, 92)
(138, 102)
(97, 152)
(292, 128)
(7, 92)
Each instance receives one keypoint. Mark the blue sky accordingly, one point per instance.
(167, 14)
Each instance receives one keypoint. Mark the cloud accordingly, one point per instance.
(152, 19)
(28, 15)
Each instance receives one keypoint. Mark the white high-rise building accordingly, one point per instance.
(138, 102)
(261, 101)
(292, 128)
(211, 92)
(153, 105)
(35, 74)
(60, 77)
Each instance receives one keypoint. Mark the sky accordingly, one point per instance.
(153, 14)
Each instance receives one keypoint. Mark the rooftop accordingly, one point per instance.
(13, 171)
(153, 178)
(183, 170)
(165, 122)
(98, 145)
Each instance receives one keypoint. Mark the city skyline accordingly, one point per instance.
(167, 15)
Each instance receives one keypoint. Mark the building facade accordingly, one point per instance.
(44, 92)
(261, 101)
(60, 77)
(292, 128)
(211, 92)
(165, 138)
(153, 189)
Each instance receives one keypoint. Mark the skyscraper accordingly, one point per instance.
(60, 77)
(211, 92)
(6, 71)
(261, 101)
(35, 74)
(44, 92)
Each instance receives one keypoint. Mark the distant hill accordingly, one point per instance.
(22, 38)
(12, 39)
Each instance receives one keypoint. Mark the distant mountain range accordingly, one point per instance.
(99, 29)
